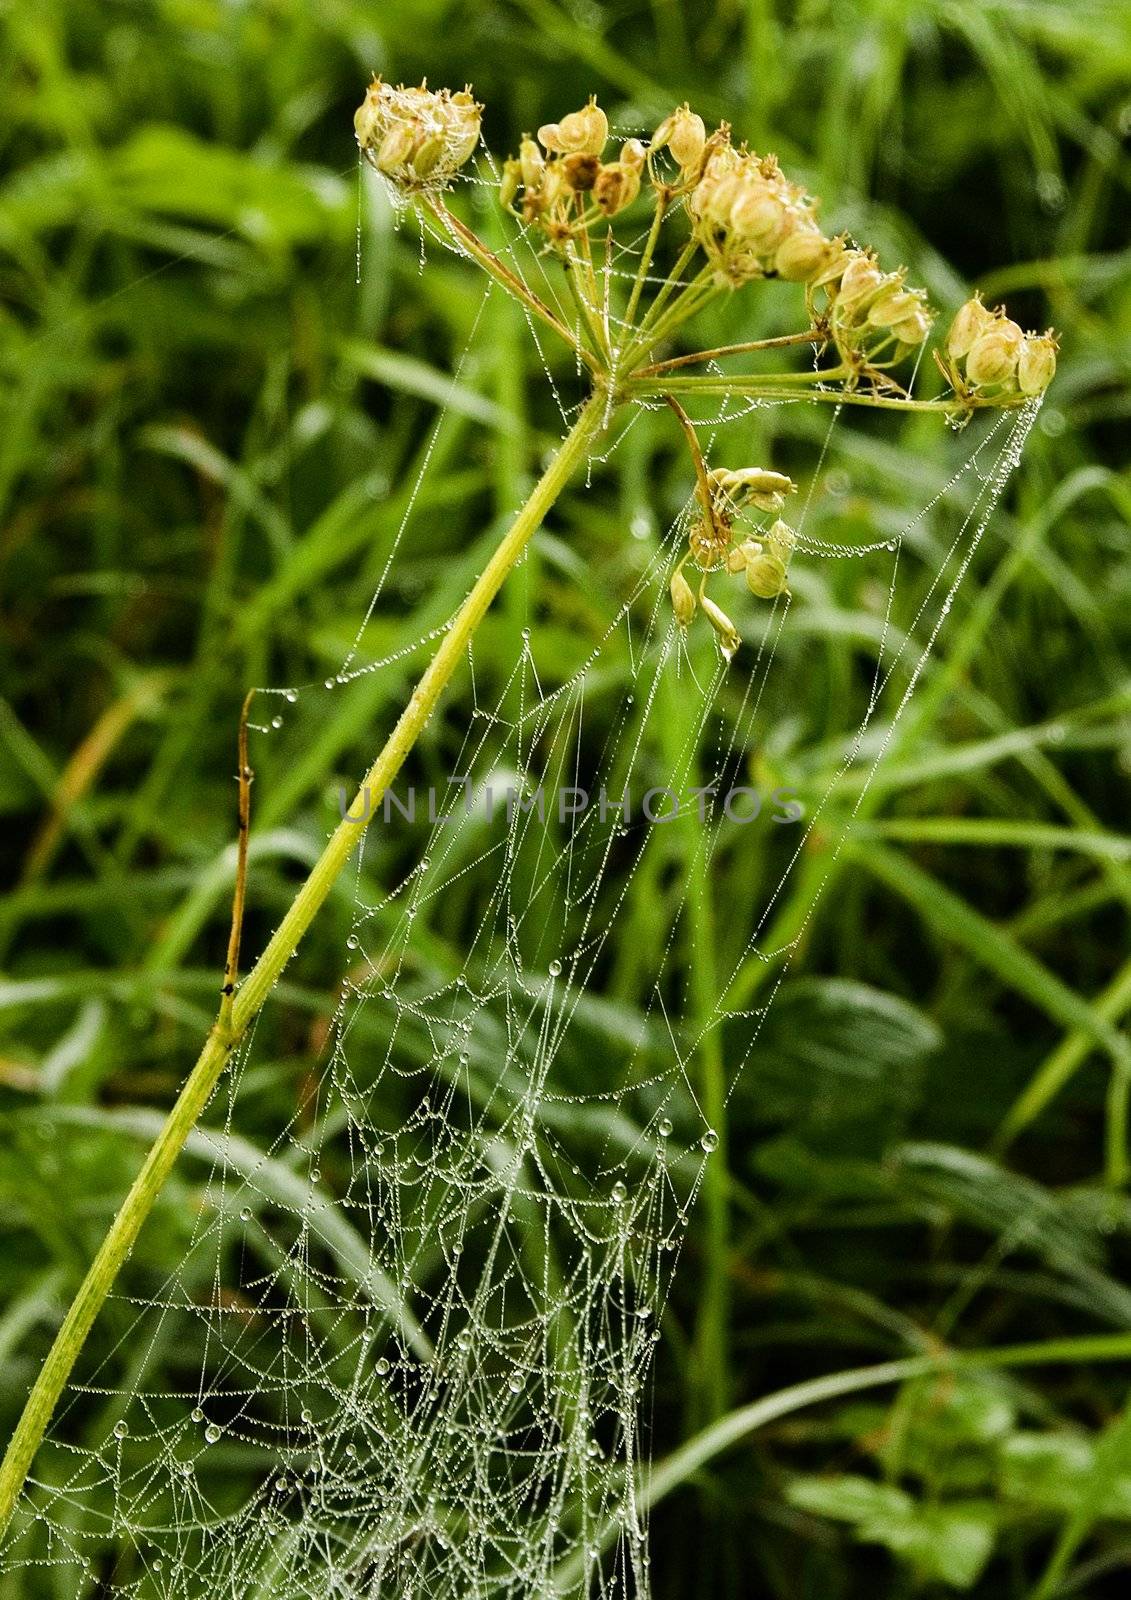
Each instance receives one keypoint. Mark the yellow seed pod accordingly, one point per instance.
(729, 636)
(583, 132)
(802, 254)
(992, 358)
(633, 155)
(751, 480)
(367, 120)
(685, 135)
(970, 322)
(781, 540)
(893, 304)
(760, 216)
(426, 156)
(914, 329)
(1036, 363)
(765, 577)
(395, 148)
(739, 554)
(683, 599)
(861, 281)
(532, 163)
(510, 182)
(550, 137)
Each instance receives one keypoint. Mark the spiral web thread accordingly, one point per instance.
(435, 1299)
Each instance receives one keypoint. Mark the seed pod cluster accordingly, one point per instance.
(564, 162)
(744, 210)
(988, 353)
(873, 313)
(417, 138)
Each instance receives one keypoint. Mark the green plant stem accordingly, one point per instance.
(262, 978)
(781, 341)
(646, 259)
(776, 388)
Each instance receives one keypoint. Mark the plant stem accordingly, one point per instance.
(646, 259)
(281, 947)
(775, 387)
(781, 342)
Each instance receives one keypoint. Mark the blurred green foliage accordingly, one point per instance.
(209, 433)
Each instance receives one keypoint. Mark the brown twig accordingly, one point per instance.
(239, 895)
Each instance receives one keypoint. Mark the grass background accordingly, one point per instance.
(208, 431)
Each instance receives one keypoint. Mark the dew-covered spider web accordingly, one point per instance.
(435, 1296)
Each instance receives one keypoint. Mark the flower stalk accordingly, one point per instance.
(748, 222)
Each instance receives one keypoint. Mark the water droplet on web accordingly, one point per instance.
(709, 1141)
(329, 684)
(291, 696)
(381, 1366)
(619, 1193)
(351, 1451)
(316, 1174)
(352, 942)
(212, 1432)
(121, 1429)
(555, 969)
(245, 1216)
(514, 1383)
(276, 722)
(593, 1450)
(526, 633)
(665, 1128)
(197, 1414)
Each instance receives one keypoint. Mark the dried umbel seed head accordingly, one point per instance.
(417, 138)
(1036, 363)
(684, 134)
(683, 599)
(744, 209)
(583, 132)
(988, 352)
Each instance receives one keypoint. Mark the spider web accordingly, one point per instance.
(435, 1298)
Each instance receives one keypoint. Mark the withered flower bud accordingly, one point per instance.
(616, 186)
(580, 170)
